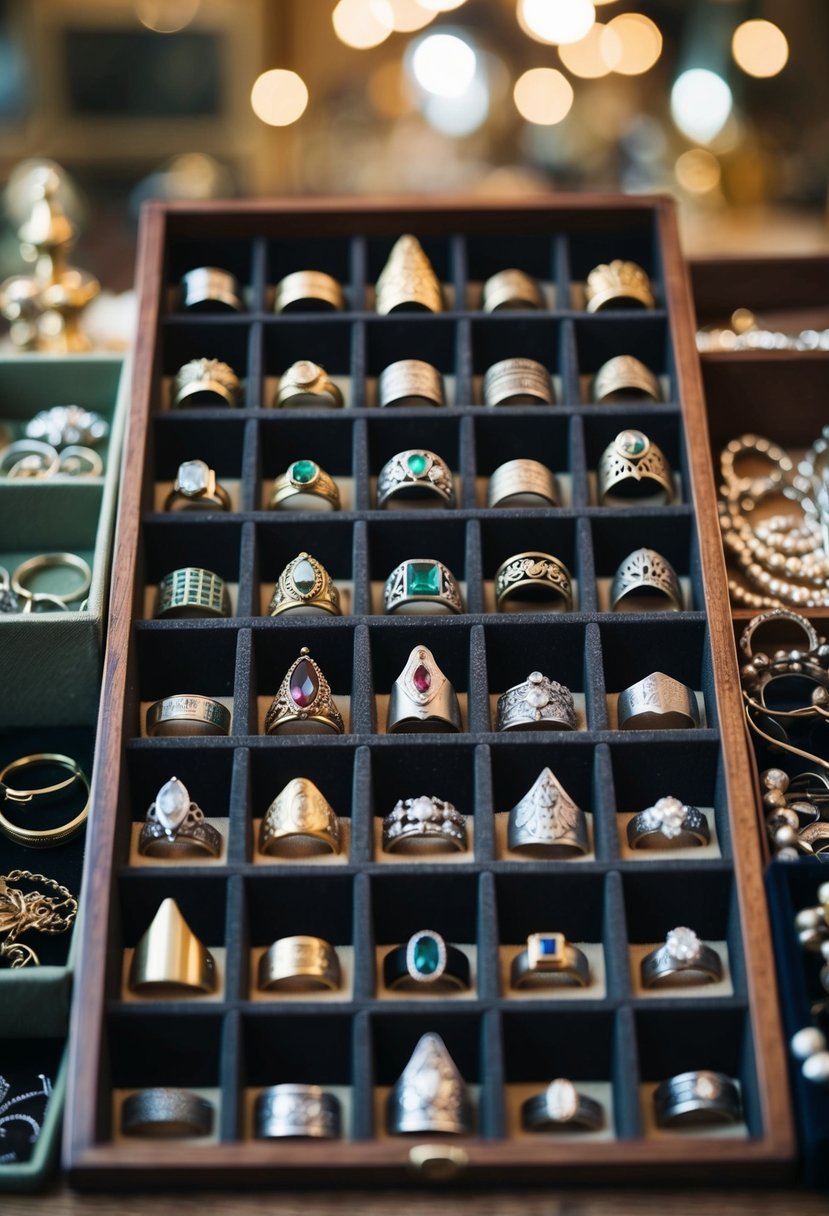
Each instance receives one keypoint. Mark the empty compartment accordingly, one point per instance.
(511, 537)
(443, 772)
(331, 769)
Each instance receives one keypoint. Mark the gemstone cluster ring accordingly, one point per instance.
(683, 959)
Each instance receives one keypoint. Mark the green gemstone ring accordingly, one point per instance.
(421, 586)
(416, 474)
(304, 486)
(425, 963)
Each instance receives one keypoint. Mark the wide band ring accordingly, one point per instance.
(307, 384)
(682, 959)
(169, 959)
(308, 291)
(618, 284)
(522, 483)
(303, 704)
(424, 824)
(185, 714)
(176, 827)
(430, 1096)
(305, 587)
(416, 474)
(560, 1107)
(210, 289)
(422, 698)
(696, 1098)
(533, 581)
(29, 458)
(658, 702)
(517, 381)
(192, 592)
(631, 468)
(163, 1113)
(538, 703)
(44, 838)
(204, 382)
(669, 824)
(426, 963)
(300, 822)
(297, 1112)
(422, 586)
(304, 486)
(410, 382)
(647, 574)
(196, 488)
(511, 289)
(623, 378)
(549, 961)
(546, 822)
(52, 561)
(299, 964)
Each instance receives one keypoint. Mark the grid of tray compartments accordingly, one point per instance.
(613, 1039)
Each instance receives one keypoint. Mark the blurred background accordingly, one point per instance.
(724, 103)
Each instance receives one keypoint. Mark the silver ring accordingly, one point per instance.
(299, 1112)
(561, 1107)
(518, 381)
(696, 1098)
(549, 960)
(668, 824)
(658, 702)
(683, 959)
(622, 378)
(509, 289)
(546, 821)
(175, 826)
(533, 581)
(209, 288)
(29, 458)
(426, 963)
(52, 561)
(66, 425)
(430, 1095)
(422, 586)
(644, 572)
(78, 461)
(410, 382)
(522, 483)
(632, 467)
(422, 698)
(424, 824)
(539, 703)
(165, 1113)
(416, 474)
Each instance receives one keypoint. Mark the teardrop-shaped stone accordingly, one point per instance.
(426, 955)
(172, 802)
(303, 576)
(304, 684)
(422, 679)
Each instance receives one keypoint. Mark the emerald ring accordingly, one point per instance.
(416, 475)
(425, 963)
(421, 586)
(304, 486)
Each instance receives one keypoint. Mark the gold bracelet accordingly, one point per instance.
(45, 837)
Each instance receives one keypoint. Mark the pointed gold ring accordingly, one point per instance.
(170, 960)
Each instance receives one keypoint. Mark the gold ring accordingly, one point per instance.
(303, 704)
(206, 382)
(633, 467)
(408, 281)
(624, 377)
(197, 489)
(530, 581)
(52, 561)
(307, 384)
(509, 289)
(304, 486)
(29, 458)
(308, 290)
(305, 586)
(522, 483)
(187, 714)
(169, 959)
(300, 964)
(47, 837)
(618, 284)
(299, 822)
(518, 382)
(192, 592)
(210, 289)
(410, 382)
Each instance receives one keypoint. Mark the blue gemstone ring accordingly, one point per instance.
(549, 961)
(425, 963)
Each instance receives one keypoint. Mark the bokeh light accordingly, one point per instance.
(459, 116)
(698, 171)
(279, 97)
(760, 48)
(410, 15)
(543, 96)
(595, 55)
(700, 104)
(640, 41)
(556, 21)
(440, 6)
(166, 16)
(363, 23)
(443, 64)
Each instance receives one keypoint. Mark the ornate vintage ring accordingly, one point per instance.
(522, 483)
(510, 289)
(163, 1113)
(633, 467)
(307, 384)
(426, 963)
(29, 458)
(424, 823)
(298, 1112)
(560, 1107)
(624, 378)
(697, 1098)
(305, 586)
(52, 561)
(210, 289)
(192, 592)
(197, 489)
(299, 822)
(549, 960)
(408, 281)
(304, 486)
(176, 827)
(618, 284)
(430, 1095)
(308, 291)
(35, 838)
(533, 581)
(205, 382)
(518, 381)
(169, 959)
(415, 474)
(422, 586)
(300, 964)
(646, 573)
(536, 704)
(683, 959)
(67, 425)
(658, 702)
(304, 704)
(185, 714)
(422, 698)
(546, 822)
(669, 824)
(410, 382)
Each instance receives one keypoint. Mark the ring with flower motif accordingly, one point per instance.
(416, 474)
(669, 824)
(682, 959)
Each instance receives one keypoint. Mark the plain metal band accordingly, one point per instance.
(53, 561)
(522, 478)
(517, 381)
(162, 1112)
(695, 831)
(697, 1097)
(210, 285)
(410, 382)
(188, 714)
(660, 969)
(511, 288)
(301, 963)
(574, 971)
(538, 1116)
(621, 374)
(658, 702)
(308, 287)
(45, 838)
(297, 1111)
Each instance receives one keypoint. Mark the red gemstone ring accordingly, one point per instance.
(304, 704)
